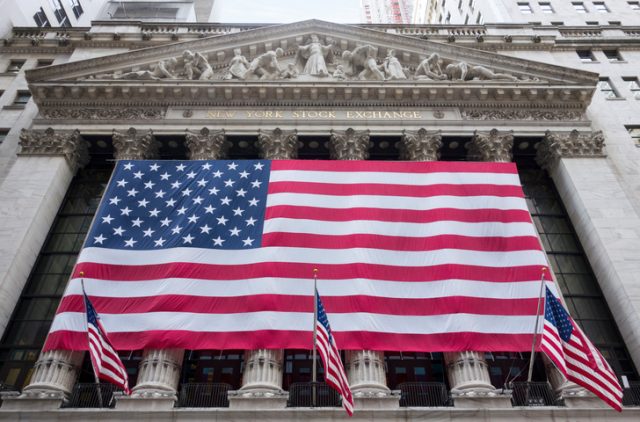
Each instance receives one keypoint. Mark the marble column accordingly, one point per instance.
(206, 144)
(420, 145)
(159, 370)
(555, 154)
(365, 368)
(262, 376)
(468, 371)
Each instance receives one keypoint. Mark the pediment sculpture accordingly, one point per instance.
(314, 60)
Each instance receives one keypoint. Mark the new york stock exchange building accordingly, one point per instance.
(317, 90)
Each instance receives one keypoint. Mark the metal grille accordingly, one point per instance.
(533, 394)
(301, 395)
(86, 395)
(204, 394)
(424, 394)
(631, 397)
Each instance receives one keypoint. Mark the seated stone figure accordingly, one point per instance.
(362, 60)
(265, 66)
(429, 68)
(196, 66)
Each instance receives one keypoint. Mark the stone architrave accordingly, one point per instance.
(278, 144)
(206, 144)
(420, 145)
(38, 180)
(468, 371)
(131, 146)
(349, 144)
(262, 377)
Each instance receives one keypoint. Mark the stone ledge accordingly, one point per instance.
(239, 400)
(32, 401)
(146, 402)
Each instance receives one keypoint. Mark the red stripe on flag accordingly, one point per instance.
(395, 166)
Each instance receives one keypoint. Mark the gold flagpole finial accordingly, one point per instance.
(81, 273)
(315, 271)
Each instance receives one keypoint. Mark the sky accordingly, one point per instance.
(284, 11)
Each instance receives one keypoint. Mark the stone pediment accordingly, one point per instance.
(309, 61)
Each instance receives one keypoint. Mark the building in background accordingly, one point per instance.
(158, 10)
(47, 13)
(550, 12)
(544, 95)
(387, 11)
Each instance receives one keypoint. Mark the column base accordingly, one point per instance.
(376, 400)
(34, 400)
(481, 399)
(582, 399)
(147, 400)
(258, 399)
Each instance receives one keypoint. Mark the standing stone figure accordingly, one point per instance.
(430, 68)
(362, 60)
(237, 66)
(392, 67)
(196, 66)
(315, 54)
(265, 66)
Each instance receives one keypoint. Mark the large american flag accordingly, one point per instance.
(334, 373)
(104, 359)
(575, 356)
(438, 256)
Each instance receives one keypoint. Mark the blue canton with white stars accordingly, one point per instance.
(555, 313)
(151, 205)
(92, 315)
(322, 317)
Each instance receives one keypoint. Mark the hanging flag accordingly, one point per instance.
(575, 356)
(104, 359)
(437, 256)
(334, 373)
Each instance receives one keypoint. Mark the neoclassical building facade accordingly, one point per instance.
(317, 90)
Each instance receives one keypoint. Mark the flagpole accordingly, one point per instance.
(535, 330)
(95, 374)
(315, 333)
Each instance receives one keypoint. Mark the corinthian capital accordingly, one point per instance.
(491, 146)
(420, 145)
(556, 145)
(50, 142)
(207, 145)
(349, 144)
(278, 144)
(130, 146)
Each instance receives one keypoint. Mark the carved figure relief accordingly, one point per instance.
(164, 69)
(265, 66)
(429, 68)
(238, 66)
(462, 71)
(392, 67)
(361, 62)
(196, 66)
(313, 57)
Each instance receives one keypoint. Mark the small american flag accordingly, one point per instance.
(334, 374)
(575, 356)
(105, 360)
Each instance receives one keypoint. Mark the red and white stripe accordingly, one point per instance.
(334, 373)
(106, 362)
(413, 256)
(580, 362)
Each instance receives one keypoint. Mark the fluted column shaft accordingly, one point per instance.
(468, 371)
(365, 368)
(55, 371)
(263, 367)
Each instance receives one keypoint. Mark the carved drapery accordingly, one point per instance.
(206, 144)
(349, 144)
(420, 145)
(131, 146)
(278, 144)
(55, 372)
(51, 142)
(491, 146)
(558, 145)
